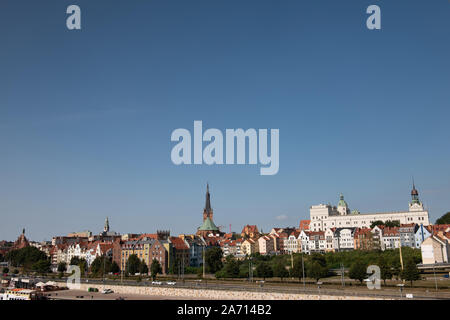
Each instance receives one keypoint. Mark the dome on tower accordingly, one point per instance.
(342, 202)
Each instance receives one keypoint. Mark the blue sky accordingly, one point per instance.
(86, 116)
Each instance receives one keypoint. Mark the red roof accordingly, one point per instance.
(390, 231)
(178, 243)
(362, 231)
(304, 224)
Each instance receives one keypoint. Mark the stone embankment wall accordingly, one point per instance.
(217, 294)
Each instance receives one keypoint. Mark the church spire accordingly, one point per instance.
(106, 228)
(207, 211)
(208, 199)
(414, 194)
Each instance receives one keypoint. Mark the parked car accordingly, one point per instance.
(171, 283)
(157, 282)
(92, 289)
(107, 291)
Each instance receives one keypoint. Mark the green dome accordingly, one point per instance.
(208, 225)
(342, 202)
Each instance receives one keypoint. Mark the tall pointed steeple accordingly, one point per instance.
(207, 211)
(415, 194)
(106, 228)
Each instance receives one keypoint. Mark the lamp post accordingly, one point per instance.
(435, 280)
(401, 285)
(303, 269)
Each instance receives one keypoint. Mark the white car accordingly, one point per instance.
(107, 291)
(157, 282)
(171, 283)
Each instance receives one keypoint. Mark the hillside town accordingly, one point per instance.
(330, 229)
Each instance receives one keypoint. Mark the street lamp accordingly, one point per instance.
(401, 285)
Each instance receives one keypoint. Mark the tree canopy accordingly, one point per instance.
(279, 270)
(133, 264)
(316, 266)
(25, 257)
(263, 270)
(155, 268)
(445, 219)
(231, 268)
(42, 266)
(101, 264)
(358, 271)
(213, 259)
(410, 272)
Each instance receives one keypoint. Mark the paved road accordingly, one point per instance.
(361, 291)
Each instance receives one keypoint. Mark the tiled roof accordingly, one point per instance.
(392, 232)
(304, 224)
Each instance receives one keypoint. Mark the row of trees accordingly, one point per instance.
(389, 224)
(315, 266)
(135, 265)
(30, 259)
(410, 272)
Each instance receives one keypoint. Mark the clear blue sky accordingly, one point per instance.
(86, 116)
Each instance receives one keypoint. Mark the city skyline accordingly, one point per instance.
(86, 115)
(223, 228)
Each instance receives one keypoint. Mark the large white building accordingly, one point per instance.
(325, 216)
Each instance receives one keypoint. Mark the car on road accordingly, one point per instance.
(107, 291)
(157, 282)
(171, 283)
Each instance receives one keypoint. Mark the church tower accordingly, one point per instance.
(415, 204)
(207, 211)
(342, 207)
(106, 228)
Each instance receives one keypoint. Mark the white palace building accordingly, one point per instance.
(325, 216)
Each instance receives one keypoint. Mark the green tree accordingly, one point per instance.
(263, 270)
(376, 223)
(133, 264)
(143, 268)
(397, 270)
(62, 267)
(391, 224)
(25, 257)
(279, 270)
(75, 261)
(316, 266)
(445, 219)
(231, 268)
(297, 271)
(5, 270)
(358, 271)
(83, 266)
(411, 272)
(213, 259)
(101, 266)
(385, 270)
(155, 268)
(115, 267)
(42, 266)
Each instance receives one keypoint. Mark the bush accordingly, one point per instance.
(358, 271)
